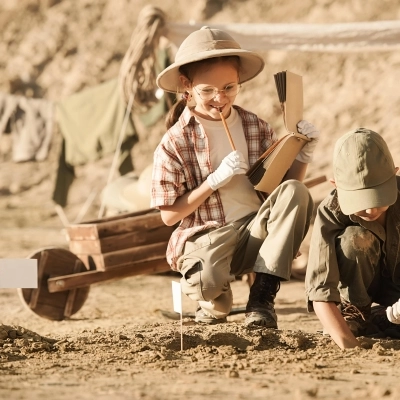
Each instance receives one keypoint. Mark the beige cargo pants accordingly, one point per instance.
(266, 241)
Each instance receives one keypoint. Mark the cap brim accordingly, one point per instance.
(352, 201)
(251, 65)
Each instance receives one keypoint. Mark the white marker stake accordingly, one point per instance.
(177, 300)
(18, 273)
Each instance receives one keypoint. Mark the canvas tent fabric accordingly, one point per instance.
(338, 37)
(90, 122)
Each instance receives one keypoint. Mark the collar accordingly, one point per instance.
(186, 118)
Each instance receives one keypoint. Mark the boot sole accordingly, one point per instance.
(259, 320)
(210, 321)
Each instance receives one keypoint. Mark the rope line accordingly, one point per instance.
(138, 68)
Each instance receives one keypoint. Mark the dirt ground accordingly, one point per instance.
(120, 345)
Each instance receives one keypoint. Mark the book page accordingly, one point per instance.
(293, 107)
(275, 166)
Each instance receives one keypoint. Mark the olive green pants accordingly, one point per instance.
(266, 241)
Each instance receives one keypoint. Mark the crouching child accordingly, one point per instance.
(353, 271)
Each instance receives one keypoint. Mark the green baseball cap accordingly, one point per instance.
(364, 171)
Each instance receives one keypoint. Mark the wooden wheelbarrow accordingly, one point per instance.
(101, 250)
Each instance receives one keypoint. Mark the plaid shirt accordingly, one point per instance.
(182, 163)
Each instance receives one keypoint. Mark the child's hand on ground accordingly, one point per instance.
(233, 164)
(309, 130)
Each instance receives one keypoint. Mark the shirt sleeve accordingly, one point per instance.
(168, 179)
(322, 276)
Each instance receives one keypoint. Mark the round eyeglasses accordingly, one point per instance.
(208, 93)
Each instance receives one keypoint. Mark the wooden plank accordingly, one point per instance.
(124, 223)
(121, 242)
(42, 258)
(132, 256)
(136, 254)
(84, 279)
(72, 294)
(122, 216)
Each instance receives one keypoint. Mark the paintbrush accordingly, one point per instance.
(227, 131)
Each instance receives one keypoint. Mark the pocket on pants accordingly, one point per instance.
(191, 279)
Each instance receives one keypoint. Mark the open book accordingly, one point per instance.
(268, 171)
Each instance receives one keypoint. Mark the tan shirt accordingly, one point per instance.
(238, 196)
(322, 276)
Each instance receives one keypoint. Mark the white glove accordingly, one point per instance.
(309, 130)
(393, 313)
(233, 164)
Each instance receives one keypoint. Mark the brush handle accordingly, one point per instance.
(227, 132)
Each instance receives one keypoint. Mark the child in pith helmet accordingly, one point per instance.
(354, 257)
(198, 181)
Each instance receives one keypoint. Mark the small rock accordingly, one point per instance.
(232, 374)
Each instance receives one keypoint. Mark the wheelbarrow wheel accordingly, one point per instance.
(53, 262)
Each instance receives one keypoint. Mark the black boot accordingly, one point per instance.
(260, 309)
(380, 320)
